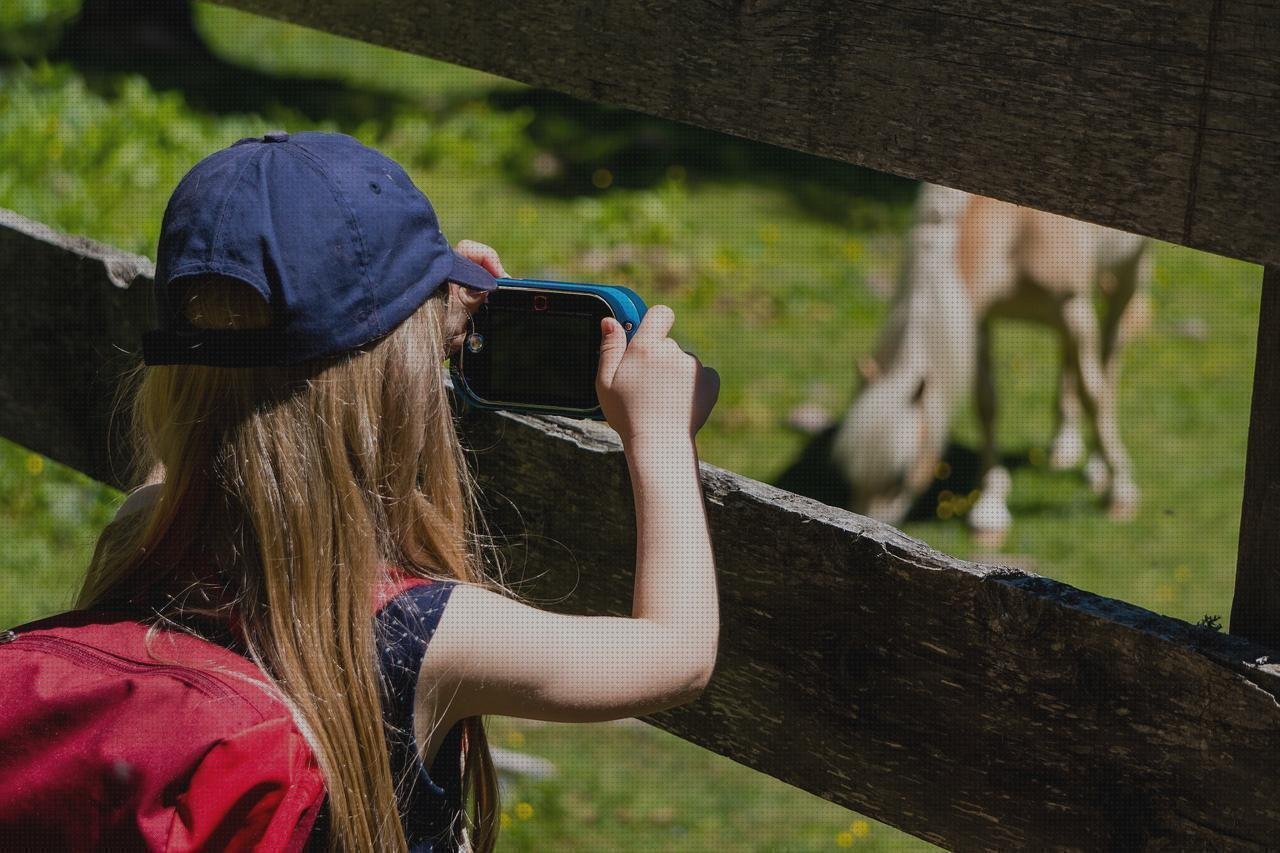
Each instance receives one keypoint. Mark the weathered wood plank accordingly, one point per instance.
(70, 321)
(1255, 609)
(1238, 169)
(978, 707)
(1102, 110)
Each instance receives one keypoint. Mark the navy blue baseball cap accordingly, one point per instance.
(333, 234)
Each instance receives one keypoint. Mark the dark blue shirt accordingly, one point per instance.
(430, 799)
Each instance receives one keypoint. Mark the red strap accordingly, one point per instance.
(393, 584)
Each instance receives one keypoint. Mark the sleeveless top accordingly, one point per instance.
(429, 799)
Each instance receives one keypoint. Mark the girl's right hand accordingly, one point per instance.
(494, 655)
(649, 387)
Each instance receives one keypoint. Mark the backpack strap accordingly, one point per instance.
(394, 583)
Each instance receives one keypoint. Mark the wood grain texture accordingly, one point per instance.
(978, 707)
(1255, 610)
(1154, 116)
(1237, 179)
(71, 325)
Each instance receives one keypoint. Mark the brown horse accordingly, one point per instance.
(972, 259)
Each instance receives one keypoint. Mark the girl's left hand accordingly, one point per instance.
(466, 299)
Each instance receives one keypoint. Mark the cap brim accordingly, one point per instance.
(470, 274)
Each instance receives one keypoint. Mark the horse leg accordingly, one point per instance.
(1129, 305)
(1127, 314)
(989, 519)
(1068, 448)
(1098, 394)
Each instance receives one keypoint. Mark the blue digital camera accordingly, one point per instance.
(534, 346)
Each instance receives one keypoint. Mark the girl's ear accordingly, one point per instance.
(463, 302)
(469, 299)
(221, 302)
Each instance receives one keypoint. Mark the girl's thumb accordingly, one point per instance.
(613, 345)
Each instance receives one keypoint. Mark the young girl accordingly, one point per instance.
(295, 415)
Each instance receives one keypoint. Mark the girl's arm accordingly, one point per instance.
(492, 655)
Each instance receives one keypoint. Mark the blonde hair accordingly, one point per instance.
(295, 488)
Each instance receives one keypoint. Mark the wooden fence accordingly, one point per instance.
(978, 707)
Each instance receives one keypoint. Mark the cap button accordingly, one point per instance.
(275, 136)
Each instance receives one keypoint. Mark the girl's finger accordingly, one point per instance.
(485, 256)
(657, 321)
(612, 347)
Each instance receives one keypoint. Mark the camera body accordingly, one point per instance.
(534, 346)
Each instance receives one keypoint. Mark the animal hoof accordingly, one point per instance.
(1067, 452)
(989, 519)
(1125, 499)
(1122, 511)
(1097, 474)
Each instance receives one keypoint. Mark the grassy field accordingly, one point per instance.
(777, 267)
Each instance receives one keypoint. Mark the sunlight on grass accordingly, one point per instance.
(769, 288)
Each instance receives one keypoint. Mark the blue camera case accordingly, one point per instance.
(627, 307)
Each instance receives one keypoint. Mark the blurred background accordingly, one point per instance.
(779, 266)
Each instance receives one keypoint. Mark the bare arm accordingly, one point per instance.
(492, 655)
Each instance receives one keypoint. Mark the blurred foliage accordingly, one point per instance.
(98, 154)
(90, 164)
(778, 266)
(30, 28)
(290, 52)
(781, 300)
(50, 516)
(584, 147)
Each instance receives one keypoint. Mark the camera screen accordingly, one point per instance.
(542, 353)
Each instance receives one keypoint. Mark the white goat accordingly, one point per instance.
(971, 259)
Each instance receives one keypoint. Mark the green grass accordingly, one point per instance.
(637, 788)
(773, 295)
(49, 519)
(290, 51)
(1184, 408)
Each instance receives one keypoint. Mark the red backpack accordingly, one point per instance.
(109, 740)
(113, 740)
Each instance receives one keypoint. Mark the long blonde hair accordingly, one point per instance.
(295, 488)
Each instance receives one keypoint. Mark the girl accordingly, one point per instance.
(295, 414)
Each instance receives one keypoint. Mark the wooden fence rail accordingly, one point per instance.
(1160, 117)
(978, 707)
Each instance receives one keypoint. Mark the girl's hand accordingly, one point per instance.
(650, 387)
(463, 301)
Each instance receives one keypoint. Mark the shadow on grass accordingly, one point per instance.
(814, 475)
(159, 41)
(569, 143)
(638, 151)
